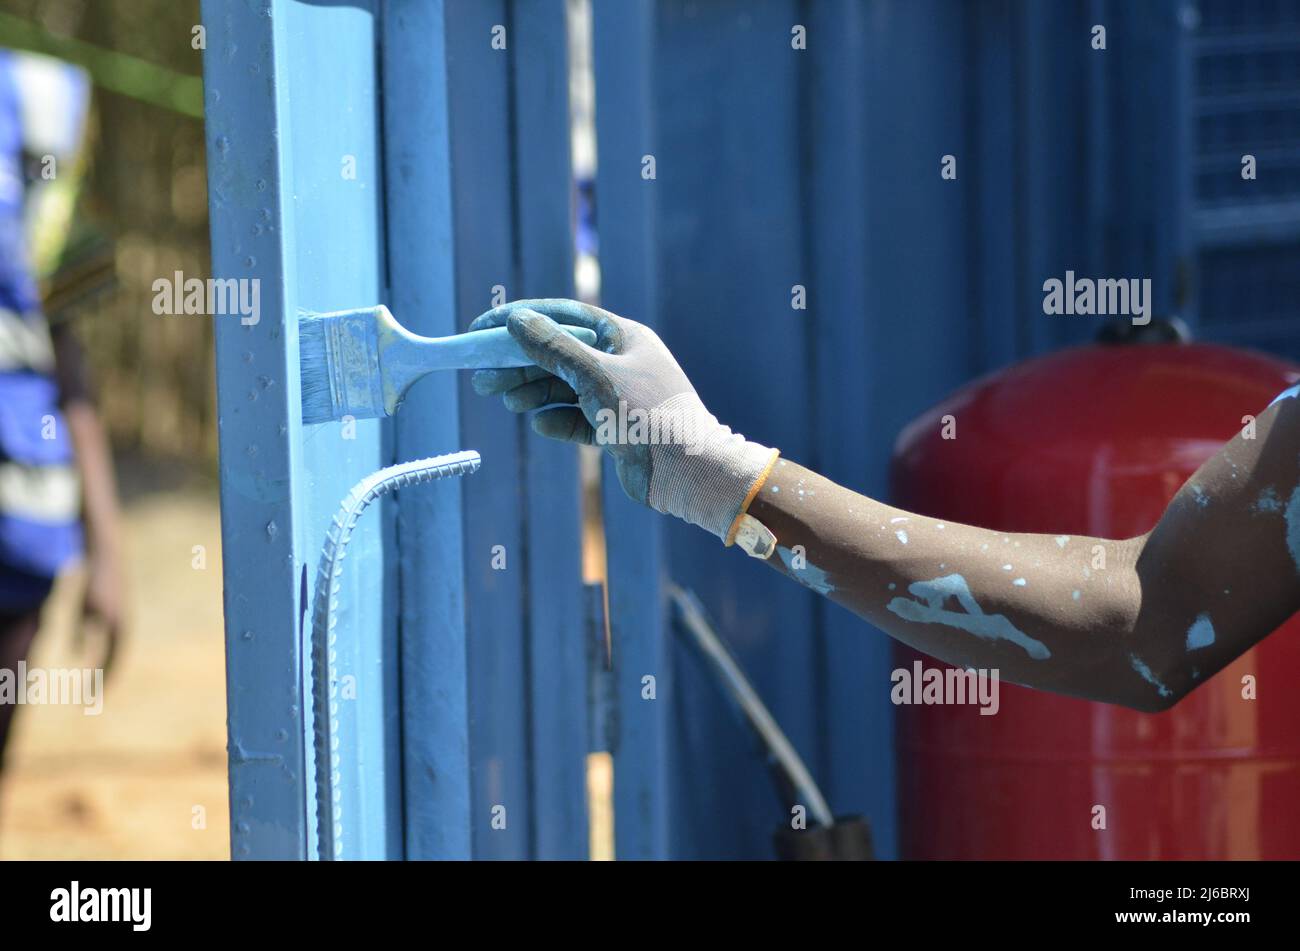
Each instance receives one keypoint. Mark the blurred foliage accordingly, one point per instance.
(146, 199)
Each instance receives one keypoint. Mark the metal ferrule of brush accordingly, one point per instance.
(356, 386)
(344, 360)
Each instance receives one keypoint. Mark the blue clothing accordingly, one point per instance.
(40, 530)
(18, 290)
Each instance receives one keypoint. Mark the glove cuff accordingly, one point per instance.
(710, 480)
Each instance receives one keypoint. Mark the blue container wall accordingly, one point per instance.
(1244, 73)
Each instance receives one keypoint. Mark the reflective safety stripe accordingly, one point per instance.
(40, 493)
(24, 343)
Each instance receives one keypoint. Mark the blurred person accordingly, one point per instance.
(58, 497)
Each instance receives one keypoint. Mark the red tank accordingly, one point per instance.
(1095, 441)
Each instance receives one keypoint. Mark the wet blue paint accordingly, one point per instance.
(810, 576)
(1293, 526)
(1201, 633)
(1268, 501)
(1149, 677)
(974, 620)
(1199, 495)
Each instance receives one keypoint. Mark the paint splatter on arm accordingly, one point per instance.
(1138, 622)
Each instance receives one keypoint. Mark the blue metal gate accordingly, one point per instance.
(354, 160)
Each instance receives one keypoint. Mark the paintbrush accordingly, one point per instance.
(360, 363)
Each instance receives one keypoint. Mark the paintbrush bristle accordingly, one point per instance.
(338, 360)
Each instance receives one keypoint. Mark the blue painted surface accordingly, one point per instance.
(556, 600)
(468, 693)
(643, 751)
(283, 214)
(435, 701)
(1245, 234)
(263, 595)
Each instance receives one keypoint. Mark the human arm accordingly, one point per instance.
(102, 599)
(1137, 622)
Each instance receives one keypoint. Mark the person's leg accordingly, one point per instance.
(17, 631)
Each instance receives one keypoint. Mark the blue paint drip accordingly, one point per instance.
(974, 620)
(1149, 677)
(1201, 633)
(809, 575)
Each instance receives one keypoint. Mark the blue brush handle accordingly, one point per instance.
(406, 357)
(493, 348)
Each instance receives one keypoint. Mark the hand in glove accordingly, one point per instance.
(628, 395)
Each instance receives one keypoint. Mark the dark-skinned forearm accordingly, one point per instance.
(1138, 622)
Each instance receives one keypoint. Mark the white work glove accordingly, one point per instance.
(680, 460)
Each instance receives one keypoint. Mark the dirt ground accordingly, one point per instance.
(147, 777)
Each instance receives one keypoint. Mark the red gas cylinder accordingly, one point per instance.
(1095, 441)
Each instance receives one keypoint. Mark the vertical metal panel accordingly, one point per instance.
(623, 50)
(1050, 153)
(1246, 232)
(511, 193)
(856, 722)
(1149, 67)
(283, 213)
(421, 255)
(489, 706)
(988, 174)
(481, 104)
(729, 200)
(542, 177)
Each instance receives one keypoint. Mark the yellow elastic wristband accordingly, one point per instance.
(749, 497)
